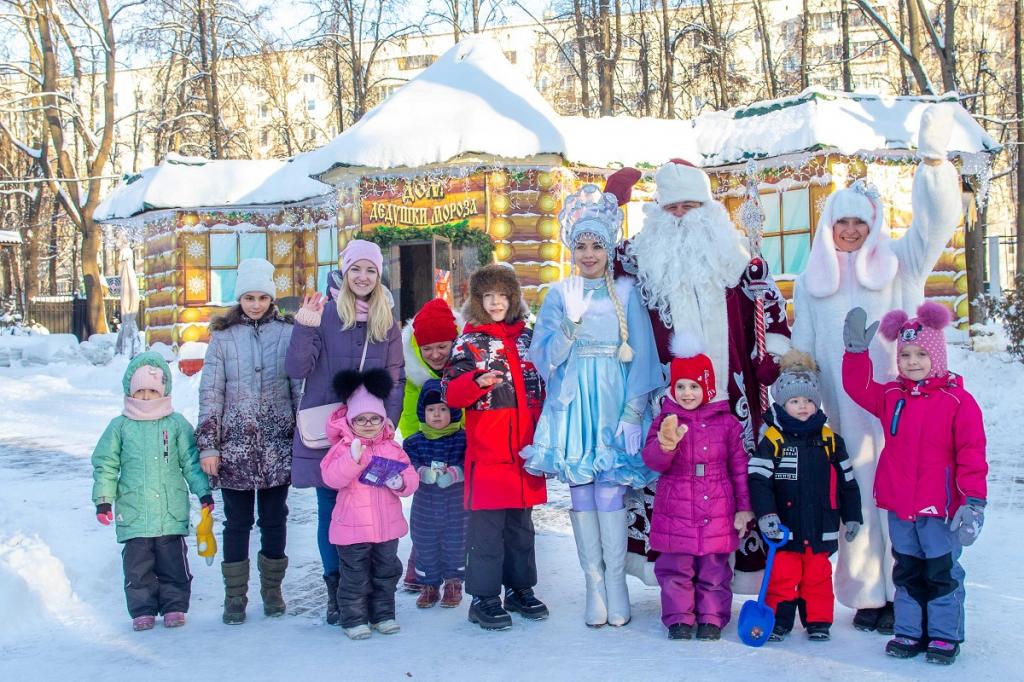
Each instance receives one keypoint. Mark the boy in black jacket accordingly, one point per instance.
(801, 476)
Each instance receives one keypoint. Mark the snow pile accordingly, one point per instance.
(34, 588)
(470, 100)
(39, 349)
(191, 182)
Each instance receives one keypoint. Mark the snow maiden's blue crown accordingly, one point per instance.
(592, 213)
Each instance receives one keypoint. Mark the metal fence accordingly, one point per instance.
(68, 314)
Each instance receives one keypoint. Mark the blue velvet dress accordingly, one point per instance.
(589, 390)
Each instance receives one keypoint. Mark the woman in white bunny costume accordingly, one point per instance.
(853, 262)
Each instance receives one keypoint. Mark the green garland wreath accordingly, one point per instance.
(460, 234)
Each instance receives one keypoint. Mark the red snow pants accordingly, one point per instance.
(806, 576)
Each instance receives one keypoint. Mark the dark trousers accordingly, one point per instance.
(272, 514)
(156, 575)
(438, 526)
(369, 577)
(500, 551)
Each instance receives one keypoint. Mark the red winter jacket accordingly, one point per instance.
(499, 420)
(703, 481)
(934, 453)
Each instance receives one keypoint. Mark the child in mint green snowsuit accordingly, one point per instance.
(144, 465)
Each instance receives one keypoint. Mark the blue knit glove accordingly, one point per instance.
(451, 476)
(968, 520)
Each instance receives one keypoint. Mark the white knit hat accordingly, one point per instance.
(679, 181)
(255, 274)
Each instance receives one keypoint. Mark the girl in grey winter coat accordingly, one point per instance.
(247, 409)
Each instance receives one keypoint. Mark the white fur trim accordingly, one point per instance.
(416, 371)
(686, 345)
(777, 344)
(875, 264)
(676, 182)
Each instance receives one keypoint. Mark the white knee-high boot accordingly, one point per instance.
(613, 546)
(586, 529)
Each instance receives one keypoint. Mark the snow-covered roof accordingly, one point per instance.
(9, 237)
(849, 122)
(610, 142)
(470, 100)
(191, 182)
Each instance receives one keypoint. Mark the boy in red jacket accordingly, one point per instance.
(931, 473)
(490, 377)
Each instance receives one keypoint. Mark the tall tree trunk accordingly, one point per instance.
(476, 16)
(1018, 101)
(644, 61)
(668, 65)
(767, 63)
(844, 21)
(805, 30)
(54, 249)
(721, 59)
(581, 47)
(206, 18)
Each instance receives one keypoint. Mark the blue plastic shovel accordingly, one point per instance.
(756, 619)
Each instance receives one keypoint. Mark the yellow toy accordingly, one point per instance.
(206, 543)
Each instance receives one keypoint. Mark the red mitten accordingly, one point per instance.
(104, 513)
(767, 370)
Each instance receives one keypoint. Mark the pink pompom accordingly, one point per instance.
(891, 324)
(686, 345)
(934, 315)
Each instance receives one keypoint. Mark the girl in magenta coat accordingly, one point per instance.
(703, 505)
(370, 471)
(930, 477)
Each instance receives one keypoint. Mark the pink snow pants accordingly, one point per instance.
(694, 589)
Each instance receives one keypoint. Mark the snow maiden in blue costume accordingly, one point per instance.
(594, 347)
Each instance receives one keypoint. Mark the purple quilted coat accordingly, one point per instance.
(703, 482)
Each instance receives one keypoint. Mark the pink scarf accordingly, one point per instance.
(147, 410)
(362, 310)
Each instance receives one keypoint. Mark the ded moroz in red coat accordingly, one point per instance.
(499, 420)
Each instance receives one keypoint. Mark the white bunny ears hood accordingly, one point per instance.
(875, 264)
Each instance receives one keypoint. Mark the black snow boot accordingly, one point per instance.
(236, 586)
(779, 633)
(942, 652)
(524, 602)
(886, 619)
(271, 576)
(333, 615)
(866, 620)
(706, 632)
(818, 632)
(680, 631)
(488, 614)
(904, 647)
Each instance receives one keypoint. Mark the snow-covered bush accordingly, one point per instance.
(1010, 311)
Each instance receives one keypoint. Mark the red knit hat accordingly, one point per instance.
(434, 323)
(690, 363)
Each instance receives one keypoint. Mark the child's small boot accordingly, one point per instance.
(451, 596)
(488, 613)
(389, 626)
(361, 631)
(333, 614)
(680, 631)
(271, 575)
(819, 632)
(140, 623)
(942, 652)
(525, 602)
(174, 619)
(708, 632)
(410, 583)
(904, 647)
(429, 596)
(785, 617)
(236, 586)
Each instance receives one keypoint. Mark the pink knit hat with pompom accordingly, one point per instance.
(925, 331)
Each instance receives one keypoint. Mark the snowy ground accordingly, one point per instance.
(63, 610)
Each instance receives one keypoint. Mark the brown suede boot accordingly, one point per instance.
(236, 585)
(429, 594)
(452, 596)
(271, 575)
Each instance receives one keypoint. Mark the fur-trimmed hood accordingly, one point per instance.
(235, 316)
(494, 277)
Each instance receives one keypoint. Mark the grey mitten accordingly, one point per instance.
(968, 520)
(856, 334)
(769, 525)
(852, 528)
(428, 475)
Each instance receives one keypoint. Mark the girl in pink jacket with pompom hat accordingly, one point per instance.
(930, 477)
(370, 471)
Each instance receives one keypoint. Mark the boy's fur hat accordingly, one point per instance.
(494, 277)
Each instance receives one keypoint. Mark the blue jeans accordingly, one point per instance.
(325, 499)
(929, 579)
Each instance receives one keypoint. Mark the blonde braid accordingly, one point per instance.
(625, 352)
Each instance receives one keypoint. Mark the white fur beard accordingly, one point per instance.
(677, 256)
